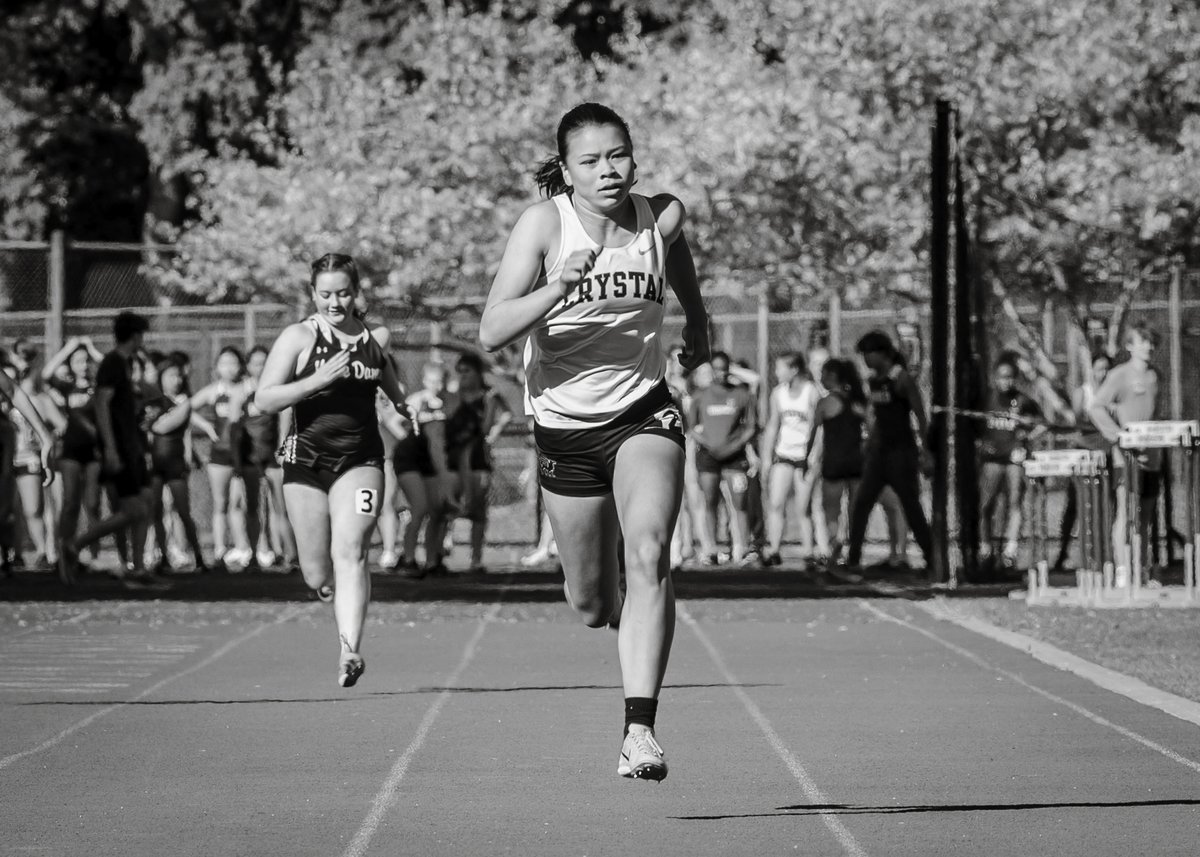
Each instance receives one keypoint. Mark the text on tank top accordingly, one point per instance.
(795, 419)
(338, 421)
(599, 350)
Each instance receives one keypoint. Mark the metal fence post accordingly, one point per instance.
(249, 328)
(56, 295)
(1175, 327)
(835, 322)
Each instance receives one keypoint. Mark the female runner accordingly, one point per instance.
(584, 275)
(326, 369)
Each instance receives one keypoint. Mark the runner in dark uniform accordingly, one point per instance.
(327, 369)
(167, 418)
(839, 420)
(893, 455)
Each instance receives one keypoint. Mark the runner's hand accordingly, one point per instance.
(333, 369)
(576, 267)
(49, 460)
(696, 348)
(112, 462)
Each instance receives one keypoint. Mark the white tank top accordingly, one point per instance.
(599, 350)
(795, 419)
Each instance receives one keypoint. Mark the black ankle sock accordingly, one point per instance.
(640, 710)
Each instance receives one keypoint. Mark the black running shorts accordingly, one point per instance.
(580, 462)
(322, 478)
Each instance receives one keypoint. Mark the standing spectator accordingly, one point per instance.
(688, 526)
(122, 454)
(1002, 450)
(723, 421)
(1129, 394)
(895, 455)
(792, 406)
(70, 383)
(838, 427)
(167, 417)
(267, 528)
(479, 418)
(428, 407)
(218, 409)
(31, 478)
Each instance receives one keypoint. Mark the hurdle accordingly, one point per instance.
(1166, 435)
(1105, 580)
(1088, 471)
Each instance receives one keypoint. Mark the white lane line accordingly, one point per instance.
(385, 798)
(1016, 679)
(109, 709)
(1138, 691)
(811, 790)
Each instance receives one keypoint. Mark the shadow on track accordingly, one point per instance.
(801, 810)
(364, 697)
(504, 585)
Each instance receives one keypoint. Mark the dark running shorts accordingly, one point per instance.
(707, 463)
(580, 462)
(168, 468)
(322, 478)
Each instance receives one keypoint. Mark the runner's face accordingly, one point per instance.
(1099, 370)
(720, 372)
(80, 363)
(784, 371)
(334, 294)
(255, 364)
(1004, 378)
(599, 165)
(468, 378)
(433, 382)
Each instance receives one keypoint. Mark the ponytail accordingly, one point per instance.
(550, 179)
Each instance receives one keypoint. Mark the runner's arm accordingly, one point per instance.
(514, 307)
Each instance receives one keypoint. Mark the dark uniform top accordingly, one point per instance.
(467, 427)
(892, 413)
(1003, 432)
(336, 428)
(843, 439)
(79, 436)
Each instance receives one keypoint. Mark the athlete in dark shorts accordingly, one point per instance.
(472, 428)
(584, 276)
(262, 475)
(412, 462)
(218, 410)
(326, 369)
(1002, 449)
(123, 455)
(723, 420)
(167, 418)
(893, 456)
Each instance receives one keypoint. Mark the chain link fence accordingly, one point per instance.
(49, 294)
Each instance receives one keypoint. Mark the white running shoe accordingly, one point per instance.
(536, 558)
(238, 559)
(641, 757)
(389, 560)
(266, 558)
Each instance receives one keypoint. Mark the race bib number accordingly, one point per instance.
(366, 501)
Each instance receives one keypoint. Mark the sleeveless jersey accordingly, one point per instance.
(261, 433)
(171, 446)
(893, 426)
(599, 350)
(336, 428)
(843, 437)
(795, 419)
(79, 437)
(28, 448)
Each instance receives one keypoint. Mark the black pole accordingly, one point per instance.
(939, 289)
(967, 375)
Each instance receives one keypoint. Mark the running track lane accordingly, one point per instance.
(922, 737)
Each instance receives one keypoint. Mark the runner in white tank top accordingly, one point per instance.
(583, 275)
(793, 405)
(599, 350)
(795, 411)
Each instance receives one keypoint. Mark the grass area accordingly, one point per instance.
(1159, 646)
